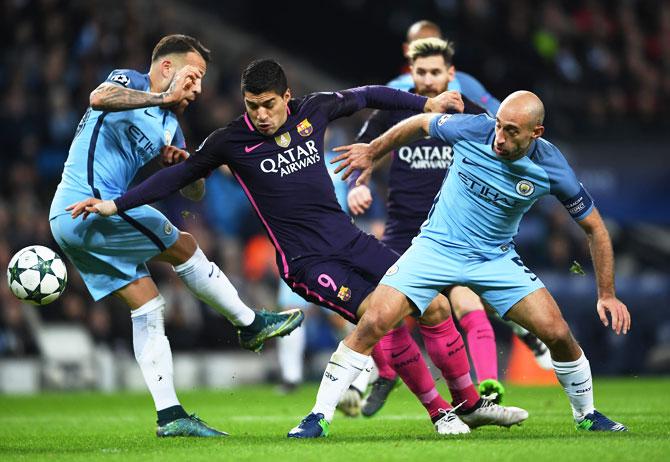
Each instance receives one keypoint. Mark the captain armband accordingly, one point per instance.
(579, 205)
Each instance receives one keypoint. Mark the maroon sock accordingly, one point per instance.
(447, 350)
(406, 359)
(382, 363)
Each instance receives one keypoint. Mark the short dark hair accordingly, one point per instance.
(431, 47)
(264, 75)
(178, 43)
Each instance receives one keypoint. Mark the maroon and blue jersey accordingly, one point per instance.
(320, 253)
(416, 174)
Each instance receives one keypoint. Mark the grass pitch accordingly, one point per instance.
(93, 426)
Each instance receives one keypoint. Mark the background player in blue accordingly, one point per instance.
(461, 82)
(275, 150)
(132, 118)
(500, 168)
(416, 173)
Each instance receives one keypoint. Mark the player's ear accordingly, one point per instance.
(287, 95)
(451, 72)
(538, 131)
(166, 68)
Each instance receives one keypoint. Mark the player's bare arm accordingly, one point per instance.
(362, 156)
(603, 262)
(112, 97)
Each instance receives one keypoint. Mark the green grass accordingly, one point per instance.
(92, 426)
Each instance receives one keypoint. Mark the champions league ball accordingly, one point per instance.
(37, 275)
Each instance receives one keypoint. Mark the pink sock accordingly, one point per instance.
(481, 344)
(382, 363)
(447, 350)
(406, 359)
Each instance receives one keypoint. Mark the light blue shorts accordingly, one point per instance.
(286, 298)
(111, 252)
(427, 268)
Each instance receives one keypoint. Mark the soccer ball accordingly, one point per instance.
(37, 275)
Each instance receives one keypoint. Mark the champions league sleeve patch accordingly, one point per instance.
(579, 205)
(442, 120)
(119, 78)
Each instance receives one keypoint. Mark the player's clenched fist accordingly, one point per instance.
(171, 155)
(448, 101)
(359, 199)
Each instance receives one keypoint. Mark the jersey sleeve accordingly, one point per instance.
(178, 139)
(128, 78)
(453, 128)
(475, 91)
(377, 123)
(565, 186)
(210, 154)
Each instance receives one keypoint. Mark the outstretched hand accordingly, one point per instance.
(181, 85)
(354, 157)
(92, 205)
(618, 312)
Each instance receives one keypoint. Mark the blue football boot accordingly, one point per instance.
(597, 422)
(188, 426)
(312, 426)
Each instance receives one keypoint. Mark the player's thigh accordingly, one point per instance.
(138, 292)
(437, 312)
(333, 284)
(501, 281)
(464, 300)
(539, 313)
(423, 272)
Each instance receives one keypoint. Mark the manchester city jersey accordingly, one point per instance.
(110, 147)
(483, 198)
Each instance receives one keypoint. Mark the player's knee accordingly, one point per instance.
(437, 312)
(557, 335)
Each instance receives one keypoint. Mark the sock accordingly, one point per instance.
(290, 353)
(360, 383)
(406, 359)
(344, 366)
(382, 363)
(446, 348)
(575, 376)
(481, 344)
(208, 283)
(152, 352)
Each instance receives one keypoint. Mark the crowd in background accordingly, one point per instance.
(597, 64)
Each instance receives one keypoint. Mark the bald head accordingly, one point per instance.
(523, 106)
(421, 30)
(518, 123)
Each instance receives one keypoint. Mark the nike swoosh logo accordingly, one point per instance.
(248, 149)
(146, 111)
(469, 162)
(452, 343)
(580, 383)
(395, 355)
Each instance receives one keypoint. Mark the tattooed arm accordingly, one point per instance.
(112, 97)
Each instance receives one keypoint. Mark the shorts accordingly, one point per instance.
(342, 281)
(286, 298)
(111, 252)
(427, 268)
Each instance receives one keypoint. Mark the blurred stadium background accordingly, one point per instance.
(601, 67)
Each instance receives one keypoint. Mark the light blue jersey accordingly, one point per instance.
(467, 238)
(108, 150)
(463, 83)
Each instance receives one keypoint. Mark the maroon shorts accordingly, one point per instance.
(341, 282)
